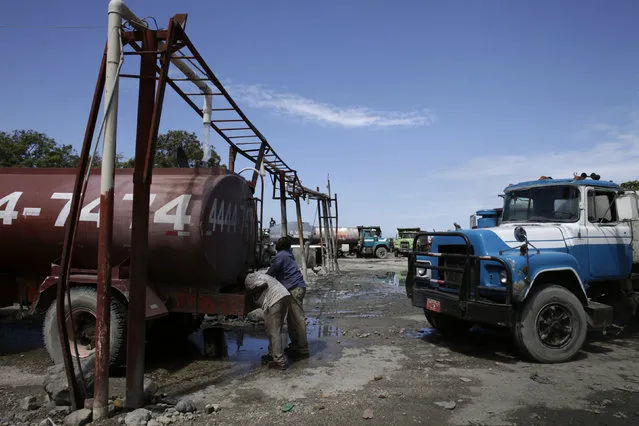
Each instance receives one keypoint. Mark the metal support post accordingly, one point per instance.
(140, 228)
(300, 230)
(283, 203)
(232, 155)
(327, 232)
(105, 234)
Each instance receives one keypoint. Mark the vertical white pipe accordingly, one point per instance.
(206, 121)
(111, 89)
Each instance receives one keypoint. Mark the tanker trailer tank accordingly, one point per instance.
(201, 244)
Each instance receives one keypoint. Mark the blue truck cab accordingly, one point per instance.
(559, 260)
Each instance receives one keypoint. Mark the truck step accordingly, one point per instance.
(599, 314)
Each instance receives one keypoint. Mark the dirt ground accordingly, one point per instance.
(373, 353)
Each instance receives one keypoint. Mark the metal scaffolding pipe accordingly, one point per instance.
(283, 203)
(300, 230)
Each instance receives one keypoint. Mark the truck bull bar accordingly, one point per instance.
(468, 302)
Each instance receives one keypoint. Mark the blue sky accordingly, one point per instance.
(420, 111)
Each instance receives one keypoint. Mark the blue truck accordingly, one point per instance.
(562, 258)
(371, 242)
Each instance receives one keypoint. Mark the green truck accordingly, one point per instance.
(404, 241)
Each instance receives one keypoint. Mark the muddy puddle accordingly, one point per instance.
(248, 343)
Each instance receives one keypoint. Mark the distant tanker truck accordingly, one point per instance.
(201, 245)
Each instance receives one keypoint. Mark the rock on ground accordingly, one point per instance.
(29, 403)
(138, 417)
(57, 387)
(185, 405)
(79, 418)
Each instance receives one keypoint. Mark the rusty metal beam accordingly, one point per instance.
(77, 395)
(140, 228)
(283, 203)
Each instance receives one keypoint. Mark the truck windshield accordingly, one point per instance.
(409, 235)
(544, 204)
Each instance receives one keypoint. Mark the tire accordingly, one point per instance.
(381, 252)
(447, 325)
(559, 306)
(84, 305)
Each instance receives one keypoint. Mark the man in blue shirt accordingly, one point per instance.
(284, 269)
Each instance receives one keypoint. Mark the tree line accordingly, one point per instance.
(29, 148)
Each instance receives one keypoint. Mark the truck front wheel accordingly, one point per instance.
(551, 325)
(381, 252)
(83, 309)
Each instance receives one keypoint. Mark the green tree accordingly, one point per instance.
(632, 185)
(167, 146)
(28, 148)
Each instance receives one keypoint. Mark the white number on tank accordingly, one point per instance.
(129, 197)
(180, 218)
(223, 214)
(9, 213)
(64, 213)
(86, 215)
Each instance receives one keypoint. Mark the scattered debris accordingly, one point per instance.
(606, 402)
(368, 414)
(364, 335)
(535, 416)
(287, 407)
(319, 407)
(79, 418)
(378, 378)
(540, 379)
(628, 389)
(29, 403)
(211, 408)
(449, 405)
(620, 415)
(185, 405)
(382, 396)
(465, 379)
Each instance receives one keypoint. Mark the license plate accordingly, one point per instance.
(433, 305)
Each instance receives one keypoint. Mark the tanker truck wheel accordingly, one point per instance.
(84, 306)
(551, 326)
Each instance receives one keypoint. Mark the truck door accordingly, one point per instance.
(609, 252)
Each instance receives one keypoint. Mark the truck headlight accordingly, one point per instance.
(421, 272)
(503, 277)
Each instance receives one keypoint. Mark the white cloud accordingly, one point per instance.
(612, 151)
(296, 105)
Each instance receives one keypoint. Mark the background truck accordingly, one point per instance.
(371, 242)
(202, 228)
(561, 260)
(404, 241)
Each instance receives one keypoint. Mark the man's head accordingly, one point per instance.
(283, 243)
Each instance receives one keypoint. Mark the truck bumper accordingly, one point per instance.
(449, 304)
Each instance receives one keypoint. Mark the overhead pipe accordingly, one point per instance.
(183, 66)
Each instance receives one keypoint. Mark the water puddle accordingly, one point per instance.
(420, 334)
(243, 343)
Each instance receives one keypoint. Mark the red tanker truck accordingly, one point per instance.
(202, 230)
